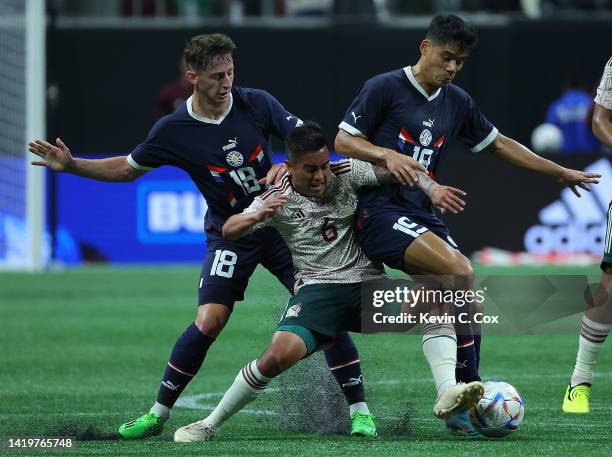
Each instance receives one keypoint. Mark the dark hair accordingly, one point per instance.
(308, 137)
(202, 51)
(452, 29)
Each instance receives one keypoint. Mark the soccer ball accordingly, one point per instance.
(500, 410)
(547, 138)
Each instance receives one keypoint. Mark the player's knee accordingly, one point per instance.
(462, 271)
(272, 362)
(211, 319)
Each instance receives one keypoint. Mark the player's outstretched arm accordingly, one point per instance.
(58, 158)
(445, 198)
(404, 168)
(242, 224)
(602, 124)
(517, 154)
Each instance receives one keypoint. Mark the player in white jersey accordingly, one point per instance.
(597, 320)
(314, 210)
(321, 230)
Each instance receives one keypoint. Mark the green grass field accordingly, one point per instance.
(83, 351)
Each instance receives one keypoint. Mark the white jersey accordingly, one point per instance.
(604, 90)
(320, 233)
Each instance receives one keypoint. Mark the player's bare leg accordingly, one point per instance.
(185, 361)
(595, 327)
(430, 255)
(285, 350)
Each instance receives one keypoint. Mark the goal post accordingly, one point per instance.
(35, 77)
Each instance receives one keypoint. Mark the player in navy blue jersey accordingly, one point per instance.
(405, 120)
(220, 137)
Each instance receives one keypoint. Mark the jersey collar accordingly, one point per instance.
(197, 117)
(417, 86)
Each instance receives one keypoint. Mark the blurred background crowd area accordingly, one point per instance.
(375, 9)
(534, 73)
(113, 67)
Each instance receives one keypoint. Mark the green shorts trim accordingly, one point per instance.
(312, 339)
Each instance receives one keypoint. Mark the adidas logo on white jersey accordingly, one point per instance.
(573, 224)
(299, 214)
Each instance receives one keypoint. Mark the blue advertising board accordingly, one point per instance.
(157, 218)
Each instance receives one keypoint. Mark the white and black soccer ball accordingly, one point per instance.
(499, 412)
(547, 138)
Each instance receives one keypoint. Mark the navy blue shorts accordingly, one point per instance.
(385, 232)
(229, 265)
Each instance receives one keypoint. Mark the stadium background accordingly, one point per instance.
(84, 347)
(104, 103)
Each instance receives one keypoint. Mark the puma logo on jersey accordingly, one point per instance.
(355, 117)
(429, 123)
(231, 144)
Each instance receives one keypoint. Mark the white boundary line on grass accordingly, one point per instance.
(194, 401)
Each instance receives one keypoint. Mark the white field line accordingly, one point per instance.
(195, 402)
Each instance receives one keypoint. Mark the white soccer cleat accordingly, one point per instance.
(458, 398)
(194, 433)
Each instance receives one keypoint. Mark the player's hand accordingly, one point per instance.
(277, 171)
(447, 198)
(57, 158)
(404, 168)
(575, 178)
(270, 207)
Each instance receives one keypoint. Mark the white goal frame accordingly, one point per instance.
(35, 78)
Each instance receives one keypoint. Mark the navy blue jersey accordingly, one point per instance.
(393, 111)
(224, 157)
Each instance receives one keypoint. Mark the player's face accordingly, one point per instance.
(310, 174)
(214, 83)
(442, 62)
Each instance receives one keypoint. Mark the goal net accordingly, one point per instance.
(22, 107)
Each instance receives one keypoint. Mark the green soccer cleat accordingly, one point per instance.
(145, 426)
(362, 424)
(576, 399)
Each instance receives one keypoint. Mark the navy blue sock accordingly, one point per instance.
(185, 361)
(477, 340)
(466, 370)
(343, 361)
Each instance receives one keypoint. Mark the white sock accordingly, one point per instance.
(440, 349)
(592, 336)
(359, 407)
(161, 410)
(246, 387)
